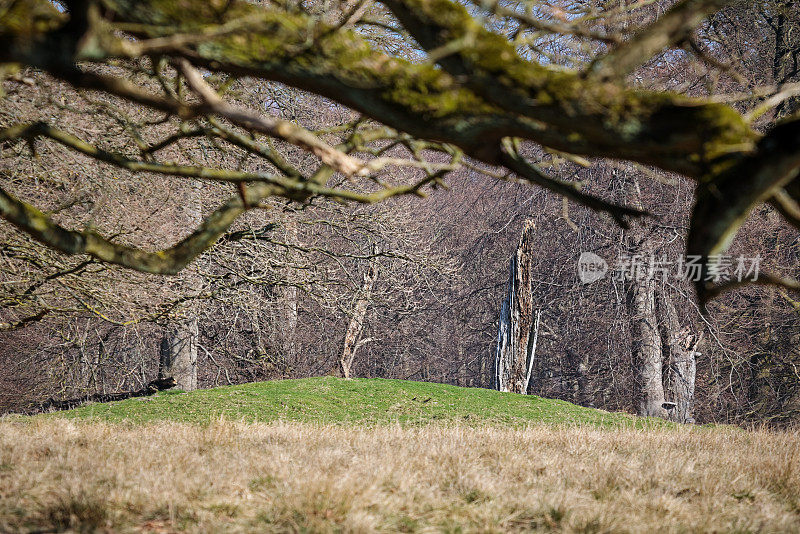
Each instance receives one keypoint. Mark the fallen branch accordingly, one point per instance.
(152, 388)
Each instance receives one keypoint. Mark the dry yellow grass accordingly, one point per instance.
(233, 477)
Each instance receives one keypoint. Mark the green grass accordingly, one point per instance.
(357, 401)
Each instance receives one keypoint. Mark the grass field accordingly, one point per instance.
(357, 401)
(328, 455)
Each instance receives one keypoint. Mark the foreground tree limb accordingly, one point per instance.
(473, 93)
(459, 106)
(725, 198)
(168, 261)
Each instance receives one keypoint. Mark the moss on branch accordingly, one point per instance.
(478, 93)
(167, 261)
(484, 92)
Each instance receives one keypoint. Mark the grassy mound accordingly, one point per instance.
(358, 401)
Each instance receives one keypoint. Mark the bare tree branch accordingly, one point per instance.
(675, 26)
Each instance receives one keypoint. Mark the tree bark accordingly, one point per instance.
(179, 354)
(647, 348)
(682, 345)
(517, 332)
(646, 340)
(351, 341)
(178, 357)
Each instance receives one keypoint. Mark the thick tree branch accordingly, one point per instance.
(506, 95)
(726, 198)
(169, 261)
(580, 116)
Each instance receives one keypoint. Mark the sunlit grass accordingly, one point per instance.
(88, 476)
(331, 455)
(362, 401)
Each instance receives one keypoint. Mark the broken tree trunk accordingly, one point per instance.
(151, 388)
(351, 341)
(517, 332)
(682, 344)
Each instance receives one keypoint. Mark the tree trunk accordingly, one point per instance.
(762, 395)
(483, 371)
(179, 354)
(462, 367)
(517, 332)
(784, 62)
(289, 301)
(646, 340)
(178, 357)
(581, 385)
(682, 344)
(647, 348)
(351, 341)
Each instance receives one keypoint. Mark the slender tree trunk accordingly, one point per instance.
(462, 367)
(517, 332)
(784, 61)
(581, 393)
(351, 338)
(682, 344)
(290, 302)
(761, 392)
(483, 372)
(290, 317)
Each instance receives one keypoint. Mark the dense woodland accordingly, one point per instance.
(335, 281)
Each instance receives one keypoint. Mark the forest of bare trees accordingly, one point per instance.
(224, 192)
